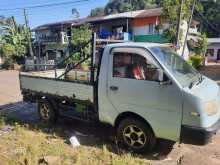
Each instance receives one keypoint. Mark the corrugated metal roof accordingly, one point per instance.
(131, 15)
(150, 13)
(75, 22)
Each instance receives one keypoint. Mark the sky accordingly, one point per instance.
(39, 16)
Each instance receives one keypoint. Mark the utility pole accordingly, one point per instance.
(189, 23)
(13, 21)
(28, 33)
(179, 25)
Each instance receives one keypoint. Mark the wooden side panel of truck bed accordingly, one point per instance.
(79, 91)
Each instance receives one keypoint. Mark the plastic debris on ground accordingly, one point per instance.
(74, 142)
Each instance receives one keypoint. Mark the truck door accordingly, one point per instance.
(133, 85)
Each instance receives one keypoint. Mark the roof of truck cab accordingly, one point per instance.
(137, 44)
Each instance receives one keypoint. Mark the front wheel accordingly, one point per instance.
(136, 135)
(46, 111)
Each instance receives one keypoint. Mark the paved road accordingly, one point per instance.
(165, 153)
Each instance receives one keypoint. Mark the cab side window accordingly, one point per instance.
(134, 66)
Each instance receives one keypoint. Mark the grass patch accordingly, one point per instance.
(33, 144)
(2, 122)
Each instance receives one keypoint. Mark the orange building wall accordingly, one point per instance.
(137, 22)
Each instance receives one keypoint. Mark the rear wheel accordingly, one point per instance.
(46, 111)
(136, 135)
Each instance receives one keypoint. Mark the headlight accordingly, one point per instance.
(211, 108)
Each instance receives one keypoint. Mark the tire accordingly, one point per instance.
(47, 112)
(136, 135)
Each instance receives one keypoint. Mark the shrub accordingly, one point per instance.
(2, 122)
(8, 64)
(196, 61)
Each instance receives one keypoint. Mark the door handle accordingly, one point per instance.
(113, 88)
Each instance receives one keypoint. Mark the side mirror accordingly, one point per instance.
(163, 79)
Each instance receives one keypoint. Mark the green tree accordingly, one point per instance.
(120, 6)
(210, 18)
(14, 41)
(171, 9)
(207, 13)
(202, 45)
(99, 11)
(80, 36)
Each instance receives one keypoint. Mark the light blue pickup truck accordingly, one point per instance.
(144, 91)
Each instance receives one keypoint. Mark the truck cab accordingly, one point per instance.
(145, 91)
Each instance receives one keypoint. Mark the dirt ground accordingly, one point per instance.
(165, 153)
(9, 87)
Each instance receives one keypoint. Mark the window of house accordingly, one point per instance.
(134, 66)
(210, 52)
(151, 29)
(51, 54)
(218, 52)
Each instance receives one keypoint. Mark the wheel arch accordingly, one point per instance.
(128, 114)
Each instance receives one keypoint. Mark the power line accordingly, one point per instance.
(44, 5)
(20, 15)
(16, 12)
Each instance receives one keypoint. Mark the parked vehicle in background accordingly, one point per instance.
(144, 91)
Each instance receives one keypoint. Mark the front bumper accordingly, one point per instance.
(198, 135)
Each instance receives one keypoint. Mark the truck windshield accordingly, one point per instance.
(179, 68)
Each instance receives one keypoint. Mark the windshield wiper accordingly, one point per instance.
(191, 85)
(201, 78)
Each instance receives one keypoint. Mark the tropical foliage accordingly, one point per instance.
(81, 36)
(210, 17)
(196, 61)
(202, 45)
(99, 11)
(14, 41)
(119, 6)
(172, 9)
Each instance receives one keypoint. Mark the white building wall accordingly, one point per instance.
(143, 30)
(215, 47)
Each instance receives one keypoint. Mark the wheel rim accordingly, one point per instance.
(134, 136)
(45, 112)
